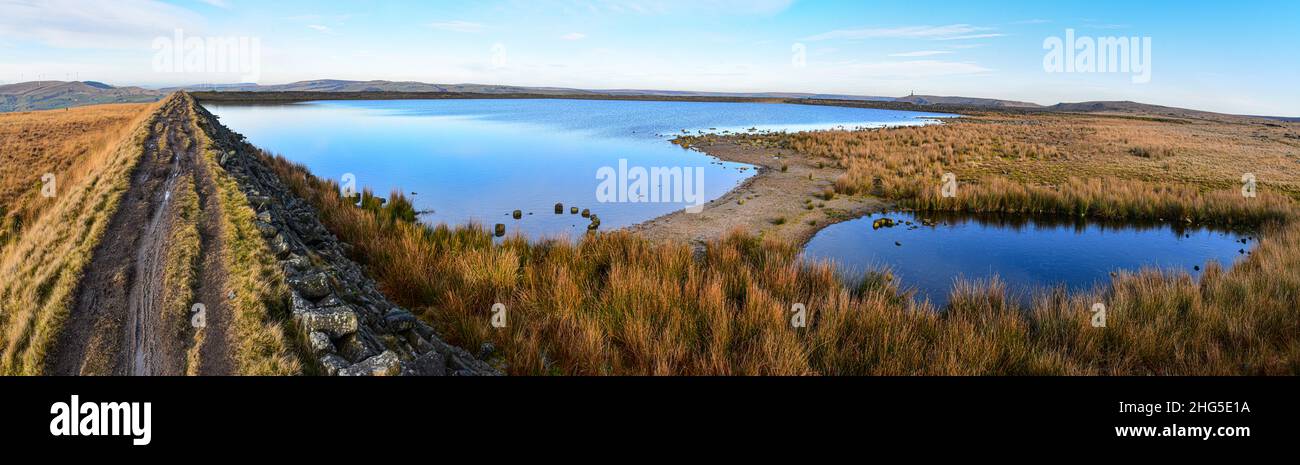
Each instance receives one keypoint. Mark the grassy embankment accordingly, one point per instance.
(260, 305)
(616, 304)
(48, 242)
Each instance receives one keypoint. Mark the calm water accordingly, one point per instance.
(1024, 253)
(479, 160)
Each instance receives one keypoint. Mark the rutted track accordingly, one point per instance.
(119, 324)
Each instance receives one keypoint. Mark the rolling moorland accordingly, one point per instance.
(649, 302)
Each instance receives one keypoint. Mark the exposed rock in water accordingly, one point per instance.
(586, 213)
(883, 223)
(559, 209)
(517, 214)
(500, 230)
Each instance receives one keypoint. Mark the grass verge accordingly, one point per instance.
(260, 303)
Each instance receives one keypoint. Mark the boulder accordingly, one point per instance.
(399, 320)
(312, 286)
(336, 321)
(333, 364)
(385, 364)
(319, 343)
(279, 246)
(266, 229)
(353, 347)
(298, 262)
(429, 364)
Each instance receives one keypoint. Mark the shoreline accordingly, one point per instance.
(772, 203)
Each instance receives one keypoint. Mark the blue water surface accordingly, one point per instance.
(1026, 253)
(478, 160)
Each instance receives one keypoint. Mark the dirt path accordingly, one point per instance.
(214, 354)
(771, 203)
(118, 324)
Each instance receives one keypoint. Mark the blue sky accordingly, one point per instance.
(1237, 57)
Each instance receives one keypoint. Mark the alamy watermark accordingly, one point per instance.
(498, 318)
(799, 316)
(199, 316)
(1249, 185)
(49, 188)
(638, 184)
(948, 189)
(1085, 54)
(240, 55)
(1098, 319)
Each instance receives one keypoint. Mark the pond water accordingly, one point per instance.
(479, 160)
(1027, 253)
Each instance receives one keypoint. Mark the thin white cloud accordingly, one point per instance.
(217, 3)
(905, 32)
(457, 26)
(321, 28)
(120, 24)
(922, 53)
(574, 36)
(972, 36)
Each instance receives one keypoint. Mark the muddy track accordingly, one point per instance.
(214, 355)
(118, 324)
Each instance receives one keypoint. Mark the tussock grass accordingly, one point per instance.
(97, 148)
(614, 303)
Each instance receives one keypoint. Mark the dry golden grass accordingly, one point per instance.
(1051, 149)
(1108, 167)
(64, 143)
(40, 268)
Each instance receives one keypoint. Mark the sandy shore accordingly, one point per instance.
(760, 203)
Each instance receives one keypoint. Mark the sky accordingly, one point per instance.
(1234, 57)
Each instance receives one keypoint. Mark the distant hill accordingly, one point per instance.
(965, 101)
(45, 95)
(1144, 109)
(42, 95)
(335, 85)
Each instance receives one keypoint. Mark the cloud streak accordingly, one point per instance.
(948, 32)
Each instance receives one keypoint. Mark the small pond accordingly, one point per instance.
(927, 252)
